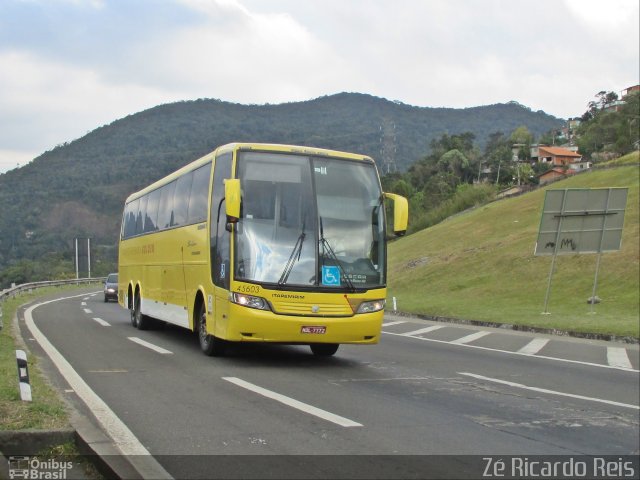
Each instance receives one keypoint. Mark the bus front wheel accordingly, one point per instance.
(324, 349)
(209, 344)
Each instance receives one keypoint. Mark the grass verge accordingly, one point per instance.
(47, 410)
(480, 266)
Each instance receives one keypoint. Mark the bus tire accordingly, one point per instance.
(132, 311)
(138, 320)
(209, 344)
(324, 349)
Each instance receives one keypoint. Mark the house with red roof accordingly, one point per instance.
(556, 173)
(564, 162)
(557, 156)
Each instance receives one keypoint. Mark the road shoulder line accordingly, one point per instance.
(124, 440)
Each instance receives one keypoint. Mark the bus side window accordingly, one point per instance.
(151, 216)
(219, 236)
(199, 194)
(165, 210)
(130, 219)
(181, 199)
(142, 212)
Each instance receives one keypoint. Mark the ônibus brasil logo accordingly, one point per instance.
(36, 468)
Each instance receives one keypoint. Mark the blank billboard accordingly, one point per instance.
(586, 220)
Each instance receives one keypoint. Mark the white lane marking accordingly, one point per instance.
(86, 310)
(304, 407)
(85, 298)
(104, 323)
(534, 346)
(128, 444)
(84, 304)
(551, 392)
(122, 437)
(398, 322)
(423, 330)
(556, 359)
(617, 357)
(470, 338)
(153, 347)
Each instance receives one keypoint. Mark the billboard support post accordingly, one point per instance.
(555, 255)
(592, 300)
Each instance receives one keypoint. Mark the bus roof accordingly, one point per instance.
(245, 146)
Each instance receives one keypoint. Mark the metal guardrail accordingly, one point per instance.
(29, 287)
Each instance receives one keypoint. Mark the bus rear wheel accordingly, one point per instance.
(209, 344)
(138, 320)
(324, 349)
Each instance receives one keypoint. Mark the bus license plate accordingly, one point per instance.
(314, 329)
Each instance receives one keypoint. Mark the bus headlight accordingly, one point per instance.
(250, 301)
(371, 306)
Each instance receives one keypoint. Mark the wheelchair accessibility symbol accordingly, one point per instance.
(330, 276)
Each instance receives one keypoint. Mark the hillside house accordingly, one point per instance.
(564, 162)
(616, 106)
(628, 90)
(556, 173)
(558, 156)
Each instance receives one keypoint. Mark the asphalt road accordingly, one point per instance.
(393, 410)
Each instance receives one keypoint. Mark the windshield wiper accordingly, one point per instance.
(327, 248)
(293, 258)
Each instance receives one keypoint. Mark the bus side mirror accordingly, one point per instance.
(232, 199)
(400, 213)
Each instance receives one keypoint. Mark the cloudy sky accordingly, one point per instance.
(70, 66)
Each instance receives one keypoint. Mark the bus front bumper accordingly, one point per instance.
(251, 325)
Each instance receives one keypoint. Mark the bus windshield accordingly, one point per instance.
(309, 221)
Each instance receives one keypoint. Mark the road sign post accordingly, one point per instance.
(82, 257)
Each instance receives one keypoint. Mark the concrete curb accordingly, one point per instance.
(95, 445)
(521, 328)
(91, 441)
(31, 442)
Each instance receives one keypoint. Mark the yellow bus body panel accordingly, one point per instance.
(170, 268)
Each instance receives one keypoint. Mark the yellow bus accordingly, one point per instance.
(261, 243)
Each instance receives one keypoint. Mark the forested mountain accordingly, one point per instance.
(78, 189)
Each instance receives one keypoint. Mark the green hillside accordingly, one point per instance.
(480, 266)
(78, 189)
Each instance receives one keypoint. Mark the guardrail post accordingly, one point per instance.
(23, 376)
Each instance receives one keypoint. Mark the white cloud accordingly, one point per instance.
(118, 58)
(244, 56)
(214, 7)
(44, 103)
(606, 17)
(98, 4)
